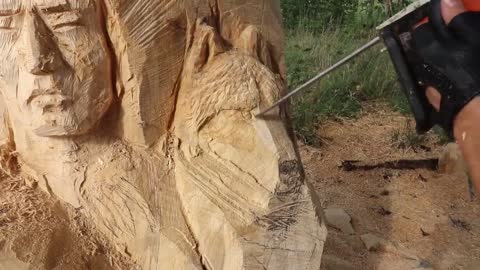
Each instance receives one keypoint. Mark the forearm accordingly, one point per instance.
(467, 135)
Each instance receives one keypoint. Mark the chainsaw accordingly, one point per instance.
(396, 34)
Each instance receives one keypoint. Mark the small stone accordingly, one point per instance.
(451, 160)
(335, 263)
(425, 264)
(373, 242)
(424, 233)
(428, 229)
(339, 219)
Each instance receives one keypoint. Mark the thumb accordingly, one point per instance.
(452, 8)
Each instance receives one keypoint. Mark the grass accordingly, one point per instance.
(369, 77)
(408, 138)
(443, 138)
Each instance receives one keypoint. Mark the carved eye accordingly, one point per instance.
(9, 13)
(7, 21)
(6, 24)
(67, 26)
(65, 21)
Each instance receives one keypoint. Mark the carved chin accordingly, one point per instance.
(53, 129)
(68, 117)
(59, 124)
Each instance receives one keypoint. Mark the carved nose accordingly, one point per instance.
(41, 53)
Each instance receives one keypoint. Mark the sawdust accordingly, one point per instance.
(430, 214)
(45, 234)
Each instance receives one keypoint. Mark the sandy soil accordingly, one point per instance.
(429, 214)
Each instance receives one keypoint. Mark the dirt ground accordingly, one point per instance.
(423, 212)
(38, 232)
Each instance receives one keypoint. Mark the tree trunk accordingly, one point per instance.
(141, 114)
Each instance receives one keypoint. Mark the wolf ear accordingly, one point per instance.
(247, 39)
(208, 42)
(205, 46)
(252, 42)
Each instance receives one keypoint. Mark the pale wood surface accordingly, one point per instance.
(141, 114)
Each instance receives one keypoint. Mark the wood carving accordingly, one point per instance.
(141, 114)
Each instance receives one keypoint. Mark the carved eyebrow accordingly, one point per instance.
(56, 9)
(67, 18)
(9, 12)
(68, 23)
(10, 7)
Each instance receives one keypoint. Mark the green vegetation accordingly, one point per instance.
(443, 138)
(321, 32)
(407, 138)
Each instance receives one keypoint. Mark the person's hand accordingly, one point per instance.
(450, 9)
(448, 49)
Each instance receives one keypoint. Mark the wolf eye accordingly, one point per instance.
(9, 13)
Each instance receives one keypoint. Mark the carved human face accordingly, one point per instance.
(54, 65)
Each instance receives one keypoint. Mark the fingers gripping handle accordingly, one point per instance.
(437, 47)
(410, 69)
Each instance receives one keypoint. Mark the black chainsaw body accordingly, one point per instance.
(398, 40)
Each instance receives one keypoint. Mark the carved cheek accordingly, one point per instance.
(231, 129)
(237, 138)
(82, 47)
(8, 37)
(92, 73)
(84, 50)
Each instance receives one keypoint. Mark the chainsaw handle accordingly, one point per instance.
(409, 67)
(426, 74)
(421, 108)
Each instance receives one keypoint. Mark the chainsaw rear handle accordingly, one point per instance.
(422, 110)
(407, 65)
